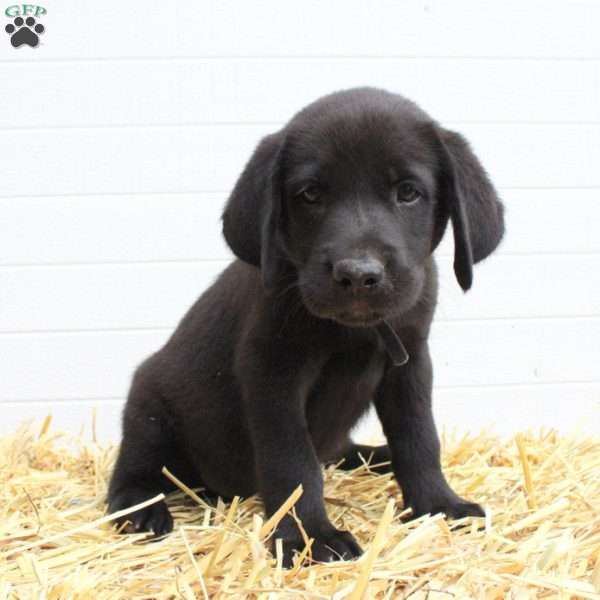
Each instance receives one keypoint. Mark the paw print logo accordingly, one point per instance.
(24, 32)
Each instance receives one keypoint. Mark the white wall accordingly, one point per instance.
(123, 131)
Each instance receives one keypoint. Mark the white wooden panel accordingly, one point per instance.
(111, 228)
(100, 364)
(568, 408)
(102, 296)
(526, 351)
(538, 155)
(146, 159)
(118, 127)
(74, 416)
(512, 28)
(72, 365)
(151, 295)
(149, 227)
(547, 221)
(233, 90)
(572, 408)
(209, 158)
(523, 286)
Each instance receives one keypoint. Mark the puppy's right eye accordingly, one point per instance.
(310, 194)
(407, 193)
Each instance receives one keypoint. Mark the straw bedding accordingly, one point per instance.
(540, 539)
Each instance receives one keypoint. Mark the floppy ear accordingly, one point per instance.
(476, 213)
(251, 216)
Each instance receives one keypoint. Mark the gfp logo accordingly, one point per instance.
(24, 28)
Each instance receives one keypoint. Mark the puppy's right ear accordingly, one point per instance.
(251, 216)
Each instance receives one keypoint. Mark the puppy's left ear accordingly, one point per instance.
(252, 214)
(476, 213)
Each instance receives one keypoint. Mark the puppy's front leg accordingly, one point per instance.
(284, 456)
(403, 404)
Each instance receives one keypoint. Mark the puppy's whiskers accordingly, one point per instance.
(293, 312)
(288, 288)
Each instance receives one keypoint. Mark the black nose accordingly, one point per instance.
(358, 273)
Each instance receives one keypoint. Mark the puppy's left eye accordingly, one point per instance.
(310, 194)
(406, 192)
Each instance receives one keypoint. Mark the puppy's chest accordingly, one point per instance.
(358, 367)
(354, 364)
(347, 382)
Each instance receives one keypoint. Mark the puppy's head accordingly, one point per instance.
(352, 196)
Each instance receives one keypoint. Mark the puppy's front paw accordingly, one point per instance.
(155, 518)
(453, 507)
(331, 546)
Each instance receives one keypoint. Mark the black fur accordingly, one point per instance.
(334, 220)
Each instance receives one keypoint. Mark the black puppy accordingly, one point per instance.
(334, 220)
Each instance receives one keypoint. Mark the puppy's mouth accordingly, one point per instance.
(350, 320)
(358, 314)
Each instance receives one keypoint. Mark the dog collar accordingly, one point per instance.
(393, 344)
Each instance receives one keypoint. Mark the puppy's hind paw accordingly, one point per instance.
(459, 509)
(453, 506)
(155, 518)
(463, 509)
